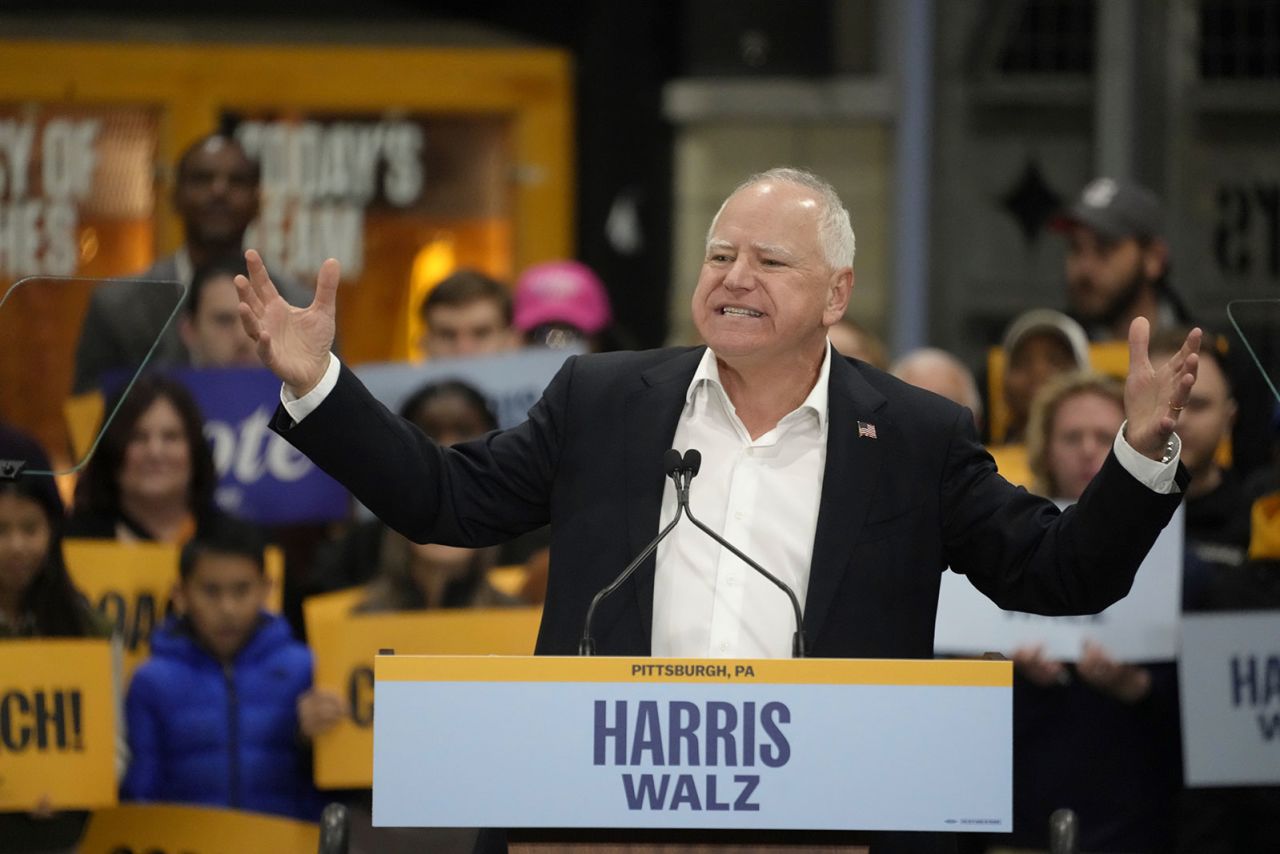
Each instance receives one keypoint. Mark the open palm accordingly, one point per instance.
(293, 342)
(1155, 394)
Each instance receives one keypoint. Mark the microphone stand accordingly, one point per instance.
(587, 645)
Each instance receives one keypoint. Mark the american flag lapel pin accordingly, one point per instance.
(866, 431)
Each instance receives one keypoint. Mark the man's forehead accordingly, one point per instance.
(472, 309)
(1080, 234)
(762, 246)
(218, 153)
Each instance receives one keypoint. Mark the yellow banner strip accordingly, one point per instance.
(807, 671)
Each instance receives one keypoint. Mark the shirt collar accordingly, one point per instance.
(708, 376)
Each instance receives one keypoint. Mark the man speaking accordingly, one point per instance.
(851, 486)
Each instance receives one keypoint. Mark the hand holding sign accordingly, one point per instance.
(293, 342)
(320, 710)
(1128, 683)
(1032, 663)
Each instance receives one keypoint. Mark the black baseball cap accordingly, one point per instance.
(1115, 209)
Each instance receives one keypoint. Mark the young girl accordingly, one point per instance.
(37, 599)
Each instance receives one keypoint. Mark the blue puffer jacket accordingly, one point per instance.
(202, 733)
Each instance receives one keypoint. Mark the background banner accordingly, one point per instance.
(261, 477)
(510, 382)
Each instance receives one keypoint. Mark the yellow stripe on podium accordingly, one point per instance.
(806, 671)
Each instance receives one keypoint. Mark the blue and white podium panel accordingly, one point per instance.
(812, 744)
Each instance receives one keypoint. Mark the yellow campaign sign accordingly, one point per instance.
(345, 646)
(131, 585)
(57, 724)
(194, 830)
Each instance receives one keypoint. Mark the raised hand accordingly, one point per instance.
(293, 342)
(1153, 396)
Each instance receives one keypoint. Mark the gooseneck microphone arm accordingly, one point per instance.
(691, 463)
(671, 464)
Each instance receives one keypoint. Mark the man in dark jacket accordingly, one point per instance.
(858, 489)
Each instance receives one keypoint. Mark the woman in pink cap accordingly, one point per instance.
(562, 304)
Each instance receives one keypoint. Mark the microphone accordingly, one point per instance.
(672, 464)
(691, 463)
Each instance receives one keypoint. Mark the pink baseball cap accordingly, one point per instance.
(561, 292)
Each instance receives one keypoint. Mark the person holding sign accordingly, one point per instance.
(213, 715)
(863, 489)
(37, 599)
(1100, 736)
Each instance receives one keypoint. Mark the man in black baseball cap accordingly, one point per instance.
(1117, 260)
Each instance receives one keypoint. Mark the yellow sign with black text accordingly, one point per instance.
(172, 829)
(57, 724)
(345, 646)
(131, 585)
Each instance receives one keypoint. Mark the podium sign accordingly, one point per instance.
(811, 744)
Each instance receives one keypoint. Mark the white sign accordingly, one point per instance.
(510, 382)
(1142, 626)
(1229, 676)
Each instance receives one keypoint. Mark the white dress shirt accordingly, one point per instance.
(761, 495)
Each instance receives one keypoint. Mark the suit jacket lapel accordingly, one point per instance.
(651, 417)
(850, 482)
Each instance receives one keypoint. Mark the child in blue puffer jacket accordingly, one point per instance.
(213, 716)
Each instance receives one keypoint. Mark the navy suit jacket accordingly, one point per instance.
(896, 510)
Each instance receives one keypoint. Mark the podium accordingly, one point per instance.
(631, 754)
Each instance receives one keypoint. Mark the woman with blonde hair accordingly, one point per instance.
(1098, 735)
(1072, 425)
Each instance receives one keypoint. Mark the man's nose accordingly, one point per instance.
(739, 275)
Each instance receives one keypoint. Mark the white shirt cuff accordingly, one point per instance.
(300, 407)
(1156, 476)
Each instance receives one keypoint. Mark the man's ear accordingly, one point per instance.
(838, 293)
(1155, 259)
